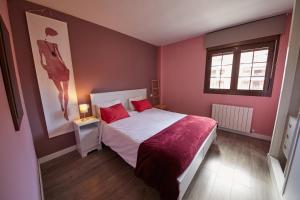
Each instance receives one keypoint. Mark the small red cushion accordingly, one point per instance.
(113, 113)
(141, 105)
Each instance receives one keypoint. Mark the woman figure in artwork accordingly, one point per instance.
(53, 63)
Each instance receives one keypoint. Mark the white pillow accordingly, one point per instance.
(133, 113)
(105, 105)
(138, 98)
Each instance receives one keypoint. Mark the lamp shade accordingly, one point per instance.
(84, 108)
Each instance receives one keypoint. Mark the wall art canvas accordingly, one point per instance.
(53, 65)
(9, 77)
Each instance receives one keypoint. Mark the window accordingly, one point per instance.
(221, 68)
(246, 68)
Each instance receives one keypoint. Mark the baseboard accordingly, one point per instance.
(56, 154)
(41, 181)
(253, 135)
(277, 176)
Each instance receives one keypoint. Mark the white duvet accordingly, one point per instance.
(124, 136)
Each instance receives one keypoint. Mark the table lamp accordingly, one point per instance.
(83, 109)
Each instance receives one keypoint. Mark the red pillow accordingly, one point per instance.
(141, 105)
(113, 113)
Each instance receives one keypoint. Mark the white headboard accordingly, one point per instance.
(123, 96)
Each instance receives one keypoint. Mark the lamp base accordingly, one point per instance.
(84, 118)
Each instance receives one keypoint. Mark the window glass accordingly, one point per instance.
(221, 70)
(252, 69)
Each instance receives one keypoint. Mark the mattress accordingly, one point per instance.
(124, 136)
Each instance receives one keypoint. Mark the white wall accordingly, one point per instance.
(288, 82)
(295, 101)
(292, 191)
(289, 103)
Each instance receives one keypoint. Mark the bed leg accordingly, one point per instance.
(179, 197)
(215, 140)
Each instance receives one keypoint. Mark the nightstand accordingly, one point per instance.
(87, 134)
(161, 106)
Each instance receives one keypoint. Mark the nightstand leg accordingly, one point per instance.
(83, 155)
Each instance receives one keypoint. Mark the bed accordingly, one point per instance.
(124, 136)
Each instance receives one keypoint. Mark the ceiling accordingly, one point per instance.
(162, 22)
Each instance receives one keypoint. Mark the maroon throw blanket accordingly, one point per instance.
(165, 156)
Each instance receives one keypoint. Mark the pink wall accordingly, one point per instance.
(18, 169)
(182, 71)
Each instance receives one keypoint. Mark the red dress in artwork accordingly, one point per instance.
(56, 69)
(53, 64)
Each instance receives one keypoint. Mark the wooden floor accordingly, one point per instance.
(234, 168)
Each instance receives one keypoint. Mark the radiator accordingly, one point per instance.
(234, 118)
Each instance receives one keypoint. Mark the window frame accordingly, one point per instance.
(272, 42)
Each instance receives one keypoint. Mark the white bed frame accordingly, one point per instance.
(186, 177)
(102, 98)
